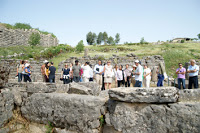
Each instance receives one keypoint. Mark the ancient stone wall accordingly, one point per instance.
(13, 37)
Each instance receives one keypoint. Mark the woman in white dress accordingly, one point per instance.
(147, 76)
(108, 75)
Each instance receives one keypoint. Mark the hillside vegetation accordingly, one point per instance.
(173, 53)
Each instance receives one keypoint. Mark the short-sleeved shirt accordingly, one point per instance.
(20, 68)
(181, 76)
(66, 71)
(139, 69)
(52, 70)
(146, 71)
(193, 68)
(76, 70)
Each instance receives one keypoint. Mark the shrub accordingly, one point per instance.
(49, 127)
(34, 39)
(182, 41)
(80, 46)
(22, 26)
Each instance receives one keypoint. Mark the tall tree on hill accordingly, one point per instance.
(198, 36)
(100, 38)
(117, 38)
(111, 40)
(105, 37)
(91, 38)
(80, 46)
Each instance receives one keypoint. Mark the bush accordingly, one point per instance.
(22, 26)
(34, 39)
(182, 41)
(80, 46)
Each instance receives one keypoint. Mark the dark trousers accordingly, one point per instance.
(90, 79)
(76, 79)
(119, 83)
(19, 77)
(181, 81)
(193, 80)
(52, 79)
(27, 78)
(160, 80)
(127, 83)
(103, 87)
(66, 81)
(138, 83)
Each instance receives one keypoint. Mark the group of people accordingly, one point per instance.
(23, 71)
(105, 74)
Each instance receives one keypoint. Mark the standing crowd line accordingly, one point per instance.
(105, 74)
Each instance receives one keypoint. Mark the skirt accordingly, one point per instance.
(108, 80)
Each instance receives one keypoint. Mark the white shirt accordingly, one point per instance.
(86, 71)
(98, 67)
(91, 73)
(147, 71)
(119, 74)
(139, 69)
(193, 68)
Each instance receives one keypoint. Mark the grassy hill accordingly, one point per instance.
(173, 53)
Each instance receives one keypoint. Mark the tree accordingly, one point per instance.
(34, 39)
(105, 37)
(198, 36)
(195, 39)
(91, 38)
(80, 46)
(100, 38)
(142, 41)
(110, 40)
(117, 38)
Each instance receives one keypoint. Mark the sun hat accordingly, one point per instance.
(27, 65)
(134, 66)
(137, 61)
(45, 61)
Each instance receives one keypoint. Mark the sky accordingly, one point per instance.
(71, 20)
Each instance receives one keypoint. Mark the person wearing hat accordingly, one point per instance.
(193, 71)
(43, 70)
(138, 74)
(76, 69)
(27, 73)
(133, 75)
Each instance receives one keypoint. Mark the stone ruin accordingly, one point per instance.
(14, 37)
(83, 108)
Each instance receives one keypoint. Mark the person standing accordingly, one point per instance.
(81, 74)
(193, 71)
(133, 75)
(27, 73)
(181, 75)
(98, 70)
(20, 69)
(127, 72)
(52, 71)
(115, 73)
(76, 69)
(120, 76)
(86, 72)
(138, 74)
(147, 76)
(65, 74)
(47, 72)
(43, 71)
(160, 72)
(71, 72)
(108, 75)
(91, 74)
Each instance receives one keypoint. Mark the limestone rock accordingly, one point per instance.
(6, 107)
(144, 95)
(93, 86)
(189, 95)
(152, 118)
(75, 88)
(71, 111)
(4, 75)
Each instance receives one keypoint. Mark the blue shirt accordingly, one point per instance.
(193, 68)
